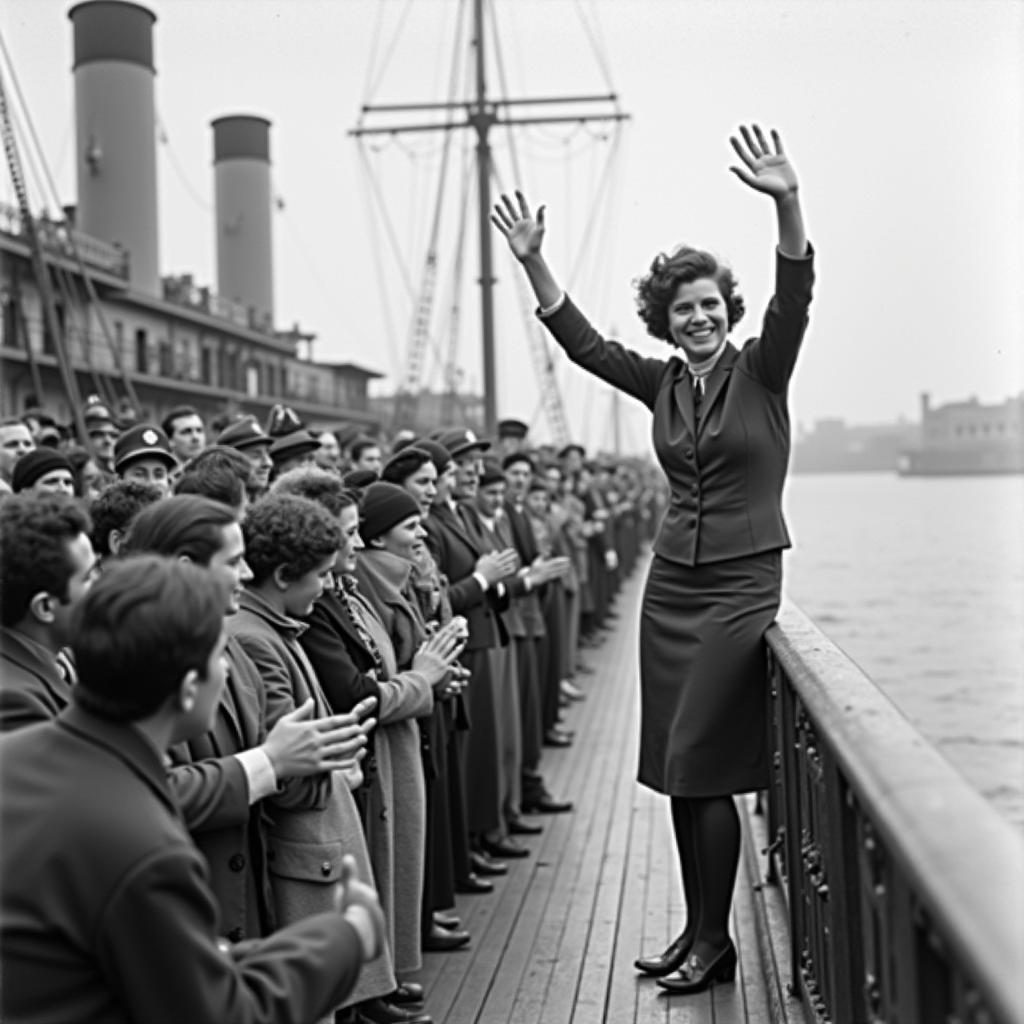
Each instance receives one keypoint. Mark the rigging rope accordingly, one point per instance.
(14, 162)
(165, 140)
(371, 86)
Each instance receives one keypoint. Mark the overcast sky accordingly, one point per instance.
(902, 118)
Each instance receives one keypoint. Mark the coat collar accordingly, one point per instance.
(449, 519)
(32, 656)
(713, 385)
(124, 742)
(255, 604)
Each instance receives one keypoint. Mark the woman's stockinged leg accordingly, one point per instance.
(683, 827)
(716, 841)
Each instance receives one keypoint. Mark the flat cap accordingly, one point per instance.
(513, 428)
(492, 472)
(244, 433)
(460, 441)
(357, 479)
(289, 446)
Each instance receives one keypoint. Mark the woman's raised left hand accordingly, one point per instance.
(765, 168)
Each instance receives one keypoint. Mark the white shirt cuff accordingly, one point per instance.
(554, 307)
(482, 580)
(259, 773)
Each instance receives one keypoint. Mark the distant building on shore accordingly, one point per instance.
(834, 446)
(954, 439)
(966, 438)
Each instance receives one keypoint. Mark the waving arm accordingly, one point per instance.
(770, 172)
(524, 234)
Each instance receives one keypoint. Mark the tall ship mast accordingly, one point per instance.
(480, 113)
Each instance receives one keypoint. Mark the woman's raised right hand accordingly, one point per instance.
(521, 229)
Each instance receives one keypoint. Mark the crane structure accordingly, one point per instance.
(481, 114)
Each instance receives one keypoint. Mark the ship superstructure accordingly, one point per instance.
(168, 338)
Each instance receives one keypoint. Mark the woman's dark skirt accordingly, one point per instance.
(703, 687)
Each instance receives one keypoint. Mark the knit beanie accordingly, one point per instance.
(384, 505)
(34, 464)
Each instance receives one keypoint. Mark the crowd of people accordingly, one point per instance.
(334, 660)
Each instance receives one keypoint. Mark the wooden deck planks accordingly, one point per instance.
(555, 942)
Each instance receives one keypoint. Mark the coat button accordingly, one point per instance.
(689, 453)
(693, 521)
(236, 935)
(325, 868)
(695, 489)
(237, 862)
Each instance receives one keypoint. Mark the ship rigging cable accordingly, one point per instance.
(480, 113)
(69, 242)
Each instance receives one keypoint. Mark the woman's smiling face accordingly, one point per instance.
(404, 539)
(351, 542)
(698, 319)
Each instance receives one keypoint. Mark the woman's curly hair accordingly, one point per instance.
(288, 532)
(656, 289)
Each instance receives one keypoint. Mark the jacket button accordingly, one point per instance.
(689, 453)
(236, 935)
(693, 521)
(325, 868)
(695, 489)
(237, 862)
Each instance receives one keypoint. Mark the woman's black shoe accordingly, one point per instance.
(665, 963)
(695, 976)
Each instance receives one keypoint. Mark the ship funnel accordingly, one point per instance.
(242, 196)
(116, 132)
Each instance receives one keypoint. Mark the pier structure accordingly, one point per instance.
(874, 883)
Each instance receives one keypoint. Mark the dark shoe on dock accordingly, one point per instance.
(545, 803)
(443, 940)
(483, 865)
(473, 884)
(522, 827)
(665, 963)
(696, 976)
